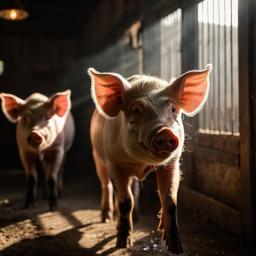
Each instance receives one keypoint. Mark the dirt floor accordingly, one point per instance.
(75, 229)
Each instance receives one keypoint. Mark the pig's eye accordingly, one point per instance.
(138, 109)
(173, 110)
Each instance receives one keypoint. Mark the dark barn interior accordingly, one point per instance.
(50, 51)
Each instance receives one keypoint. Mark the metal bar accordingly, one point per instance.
(214, 88)
(210, 59)
(200, 49)
(225, 69)
(219, 94)
(203, 57)
(231, 75)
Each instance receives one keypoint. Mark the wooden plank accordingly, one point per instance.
(218, 180)
(217, 212)
(227, 143)
(247, 84)
(214, 155)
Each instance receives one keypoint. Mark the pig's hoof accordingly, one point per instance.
(124, 241)
(106, 216)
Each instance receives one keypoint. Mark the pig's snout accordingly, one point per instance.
(34, 139)
(164, 141)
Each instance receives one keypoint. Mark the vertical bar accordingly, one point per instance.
(161, 49)
(180, 39)
(225, 117)
(200, 54)
(171, 45)
(210, 59)
(215, 67)
(231, 73)
(204, 55)
(213, 79)
(219, 94)
(236, 73)
(176, 35)
(247, 103)
(190, 61)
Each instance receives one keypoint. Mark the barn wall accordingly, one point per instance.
(210, 164)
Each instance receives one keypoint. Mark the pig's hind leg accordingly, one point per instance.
(106, 190)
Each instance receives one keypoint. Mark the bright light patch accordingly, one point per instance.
(53, 223)
(16, 232)
(218, 12)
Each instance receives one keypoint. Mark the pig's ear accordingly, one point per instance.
(60, 102)
(11, 106)
(107, 90)
(191, 90)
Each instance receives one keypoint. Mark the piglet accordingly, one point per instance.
(44, 132)
(136, 128)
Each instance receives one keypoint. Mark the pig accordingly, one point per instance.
(44, 132)
(137, 128)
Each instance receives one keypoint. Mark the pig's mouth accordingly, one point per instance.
(160, 155)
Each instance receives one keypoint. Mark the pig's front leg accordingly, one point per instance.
(125, 206)
(53, 162)
(29, 164)
(60, 178)
(168, 179)
(106, 190)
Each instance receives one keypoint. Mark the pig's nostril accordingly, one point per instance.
(159, 142)
(172, 142)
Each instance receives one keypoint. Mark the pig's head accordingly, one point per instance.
(36, 117)
(151, 109)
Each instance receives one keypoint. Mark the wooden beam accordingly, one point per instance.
(189, 61)
(217, 212)
(247, 84)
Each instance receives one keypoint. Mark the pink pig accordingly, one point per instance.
(44, 132)
(137, 128)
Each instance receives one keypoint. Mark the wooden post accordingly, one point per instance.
(247, 92)
(189, 51)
